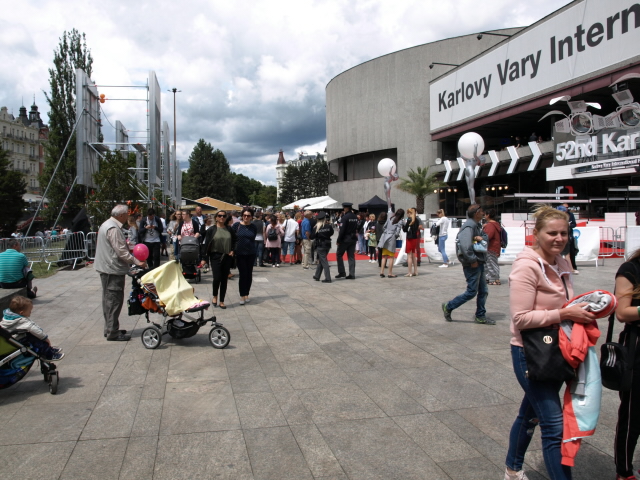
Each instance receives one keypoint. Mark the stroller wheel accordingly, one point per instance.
(219, 336)
(151, 338)
(53, 383)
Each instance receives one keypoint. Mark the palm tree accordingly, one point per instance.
(420, 183)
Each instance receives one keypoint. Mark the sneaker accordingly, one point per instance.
(241, 302)
(57, 357)
(277, 265)
(485, 321)
(447, 313)
(516, 476)
(444, 265)
(576, 272)
(56, 349)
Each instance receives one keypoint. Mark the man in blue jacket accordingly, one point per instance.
(473, 267)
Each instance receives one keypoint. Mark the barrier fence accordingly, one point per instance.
(60, 249)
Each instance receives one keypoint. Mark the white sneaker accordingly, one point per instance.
(576, 272)
(518, 476)
(444, 265)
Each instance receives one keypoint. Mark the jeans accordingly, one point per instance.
(275, 255)
(476, 285)
(259, 253)
(176, 249)
(290, 246)
(362, 244)
(542, 406)
(441, 241)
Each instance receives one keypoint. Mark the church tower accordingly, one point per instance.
(281, 166)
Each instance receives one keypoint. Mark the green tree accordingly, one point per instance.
(246, 189)
(72, 53)
(12, 188)
(116, 186)
(420, 183)
(311, 179)
(209, 174)
(267, 196)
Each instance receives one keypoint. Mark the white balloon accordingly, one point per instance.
(467, 143)
(385, 165)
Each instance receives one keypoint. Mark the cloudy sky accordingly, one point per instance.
(252, 73)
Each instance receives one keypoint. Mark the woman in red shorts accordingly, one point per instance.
(413, 226)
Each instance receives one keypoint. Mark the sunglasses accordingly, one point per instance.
(247, 215)
(221, 215)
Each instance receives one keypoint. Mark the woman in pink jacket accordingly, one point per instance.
(540, 283)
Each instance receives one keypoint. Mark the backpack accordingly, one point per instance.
(435, 230)
(272, 234)
(504, 238)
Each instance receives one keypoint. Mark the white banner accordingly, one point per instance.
(588, 243)
(585, 38)
(632, 242)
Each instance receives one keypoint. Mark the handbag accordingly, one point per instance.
(480, 246)
(617, 359)
(545, 362)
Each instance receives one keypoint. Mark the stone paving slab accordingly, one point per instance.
(350, 380)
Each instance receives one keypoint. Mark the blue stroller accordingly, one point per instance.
(17, 359)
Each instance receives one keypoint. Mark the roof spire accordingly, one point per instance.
(281, 160)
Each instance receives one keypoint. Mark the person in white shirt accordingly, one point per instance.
(443, 222)
(290, 227)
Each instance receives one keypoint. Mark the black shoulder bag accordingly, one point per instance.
(617, 359)
(545, 362)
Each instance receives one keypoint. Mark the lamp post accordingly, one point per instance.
(175, 90)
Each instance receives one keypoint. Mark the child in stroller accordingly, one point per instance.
(16, 321)
(165, 291)
(22, 342)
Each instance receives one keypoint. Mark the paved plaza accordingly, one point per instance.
(350, 380)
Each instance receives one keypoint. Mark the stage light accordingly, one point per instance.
(435, 191)
(627, 115)
(493, 188)
(579, 122)
(449, 190)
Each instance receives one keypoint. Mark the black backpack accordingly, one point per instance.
(435, 230)
(272, 234)
(504, 238)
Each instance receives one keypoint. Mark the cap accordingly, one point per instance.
(347, 204)
(321, 215)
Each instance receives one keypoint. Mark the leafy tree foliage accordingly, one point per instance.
(115, 186)
(71, 53)
(209, 174)
(420, 183)
(12, 188)
(247, 189)
(311, 179)
(267, 196)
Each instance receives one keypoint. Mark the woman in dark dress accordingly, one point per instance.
(628, 312)
(219, 245)
(246, 233)
(323, 233)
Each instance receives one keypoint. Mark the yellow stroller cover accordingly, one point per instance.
(173, 290)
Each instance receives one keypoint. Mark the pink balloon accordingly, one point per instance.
(141, 252)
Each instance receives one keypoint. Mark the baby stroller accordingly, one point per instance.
(179, 324)
(17, 359)
(189, 258)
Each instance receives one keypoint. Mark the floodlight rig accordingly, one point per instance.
(579, 122)
(627, 115)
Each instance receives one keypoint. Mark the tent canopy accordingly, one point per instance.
(375, 204)
(328, 204)
(303, 202)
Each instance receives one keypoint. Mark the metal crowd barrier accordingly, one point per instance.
(621, 241)
(65, 249)
(90, 243)
(31, 247)
(608, 242)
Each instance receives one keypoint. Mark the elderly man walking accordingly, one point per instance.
(112, 262)
(473, 267)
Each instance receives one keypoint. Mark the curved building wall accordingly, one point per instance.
(382, 106)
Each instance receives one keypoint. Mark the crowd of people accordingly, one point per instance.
(540, 283)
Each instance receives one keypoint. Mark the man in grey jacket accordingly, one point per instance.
(112, 262)
(473, 267)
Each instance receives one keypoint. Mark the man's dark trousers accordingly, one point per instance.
(154, 254)
(350, 248)
(112, 299)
